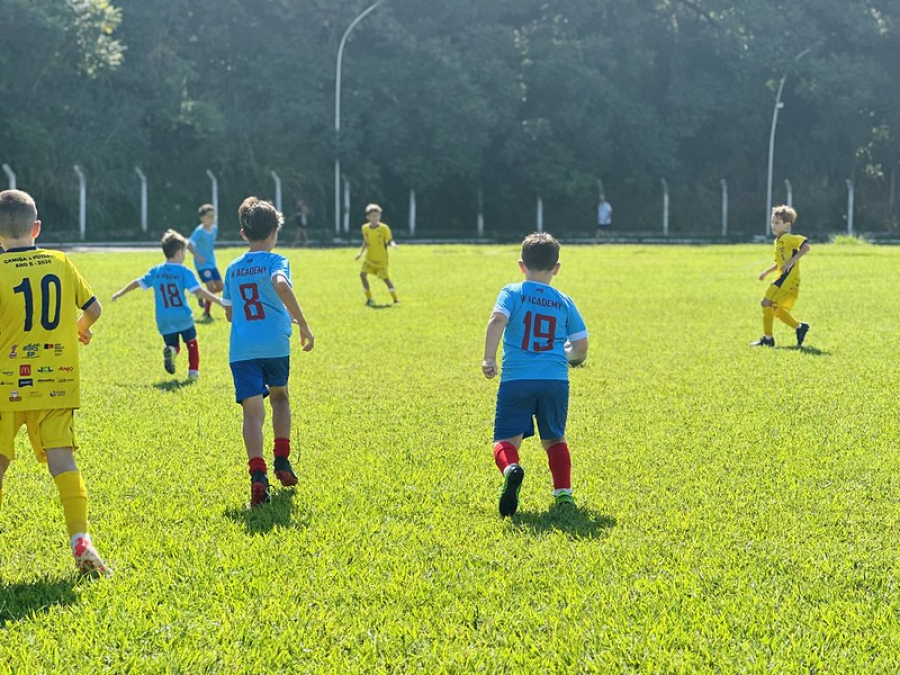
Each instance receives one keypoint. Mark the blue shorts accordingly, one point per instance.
(520, 401)
(171, 339)
(254, 376)
(212, 274)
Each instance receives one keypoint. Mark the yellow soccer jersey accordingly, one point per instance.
(41, 295)
(785, 247)
(377, 239)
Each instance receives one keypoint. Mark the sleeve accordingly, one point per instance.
(146, 281)
(575, 328)
(190, 280)
(84, 296)
(280, 267)
(193, 238)
(388, 235)
(362, 231)
(505, 302)
(226, 289)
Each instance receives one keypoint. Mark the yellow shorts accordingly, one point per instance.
(783, 296)
(381, 271)
(47, 429)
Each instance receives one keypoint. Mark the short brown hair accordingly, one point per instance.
(172, 243)
(18, 213)
(259, 218)
(540, 252)
(206, 208)
(786, 214)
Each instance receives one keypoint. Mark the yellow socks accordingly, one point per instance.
(394, 295)
(785, 316)
(368, 294)
(73, 495)
(768, 320)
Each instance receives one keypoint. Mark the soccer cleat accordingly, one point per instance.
(259, 490)
(202, 303)
(193, 374)
(370, 302)
(764, 342)
(564, 500)
(169, 359)
(284, 472)
(509, 495)
(802, 330)
(87, 560)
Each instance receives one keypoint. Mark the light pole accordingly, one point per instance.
(337, 115)
(778, 106)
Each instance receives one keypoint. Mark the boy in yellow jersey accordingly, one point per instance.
(782, 293)
(376, 238)
(41, 293)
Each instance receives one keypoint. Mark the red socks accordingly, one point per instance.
(283, 447)
(193, 355)
(560, 466)
(257, 464)
(504, 455)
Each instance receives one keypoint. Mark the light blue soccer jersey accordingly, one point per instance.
(169, 282)
(541, 319)
(260, 323)
(205, 245)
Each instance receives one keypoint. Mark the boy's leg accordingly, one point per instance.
(254, 418)
(552, 414)
(213, 286)
(512, 423)
(767, 340)
(190, 340)
(170, 351)
(506, 456)
(365, 284)
(784, 316)
(391, 289)
(281, 425)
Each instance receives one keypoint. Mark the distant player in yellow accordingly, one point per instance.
(41, 295)
(782, 293)
(376, 238)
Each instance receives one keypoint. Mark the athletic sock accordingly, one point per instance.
(73, 495)
(368, 294)
(505, 454)
(785, 317)
(257, 464)
(393, 294)
(560, 466)
(768, 320)
(193, 348)
(283, 447)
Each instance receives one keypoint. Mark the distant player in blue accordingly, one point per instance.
(202, 245)
(260, 304)
(174, 318)
(536, 322)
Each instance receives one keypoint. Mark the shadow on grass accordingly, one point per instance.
(576, 522)
(812, 351)
(262, 519)
(173, 385)
(18, 601)
(388, 306)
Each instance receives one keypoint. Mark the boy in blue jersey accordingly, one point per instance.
(202, 245)
(174, 318)
(260, 304)
(535, 321)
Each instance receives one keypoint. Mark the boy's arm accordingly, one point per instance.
(577, 349)
(199, 258)
(87, 319)
(130, 287)
(286, 293)
(362, 249)
(201, 292)
(767, 272)
(493, 335)
(789, 263)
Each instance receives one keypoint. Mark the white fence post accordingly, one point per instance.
(143, 178)
(540, 214)
(10, 176)
(412, 212)
(346, 206)
(277, 180)
(724, 207)
(215, 191)
(665, 208)
(480, 212)
(790, 192)
(850, 207)
(82, 202)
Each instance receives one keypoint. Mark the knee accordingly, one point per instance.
(766, 302)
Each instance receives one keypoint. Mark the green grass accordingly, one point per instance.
(739, 507)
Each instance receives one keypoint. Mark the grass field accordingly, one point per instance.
(739, 509)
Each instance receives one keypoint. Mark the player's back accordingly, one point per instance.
(41, 296)
(204, 242)
(170, 281)
(260, 323)
(540, 321)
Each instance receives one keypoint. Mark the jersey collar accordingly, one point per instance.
(21, 248)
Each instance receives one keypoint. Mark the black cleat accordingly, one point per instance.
(259, 489)
(509, 495)
(764, 342)
(284, 472)
(169, 359)
(802, 330)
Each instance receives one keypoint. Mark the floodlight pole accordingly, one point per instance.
(143, 178)
(10, 176)
(82, 201)
(337, 115)
(215, 191)
(277, 179)
(724, 184)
